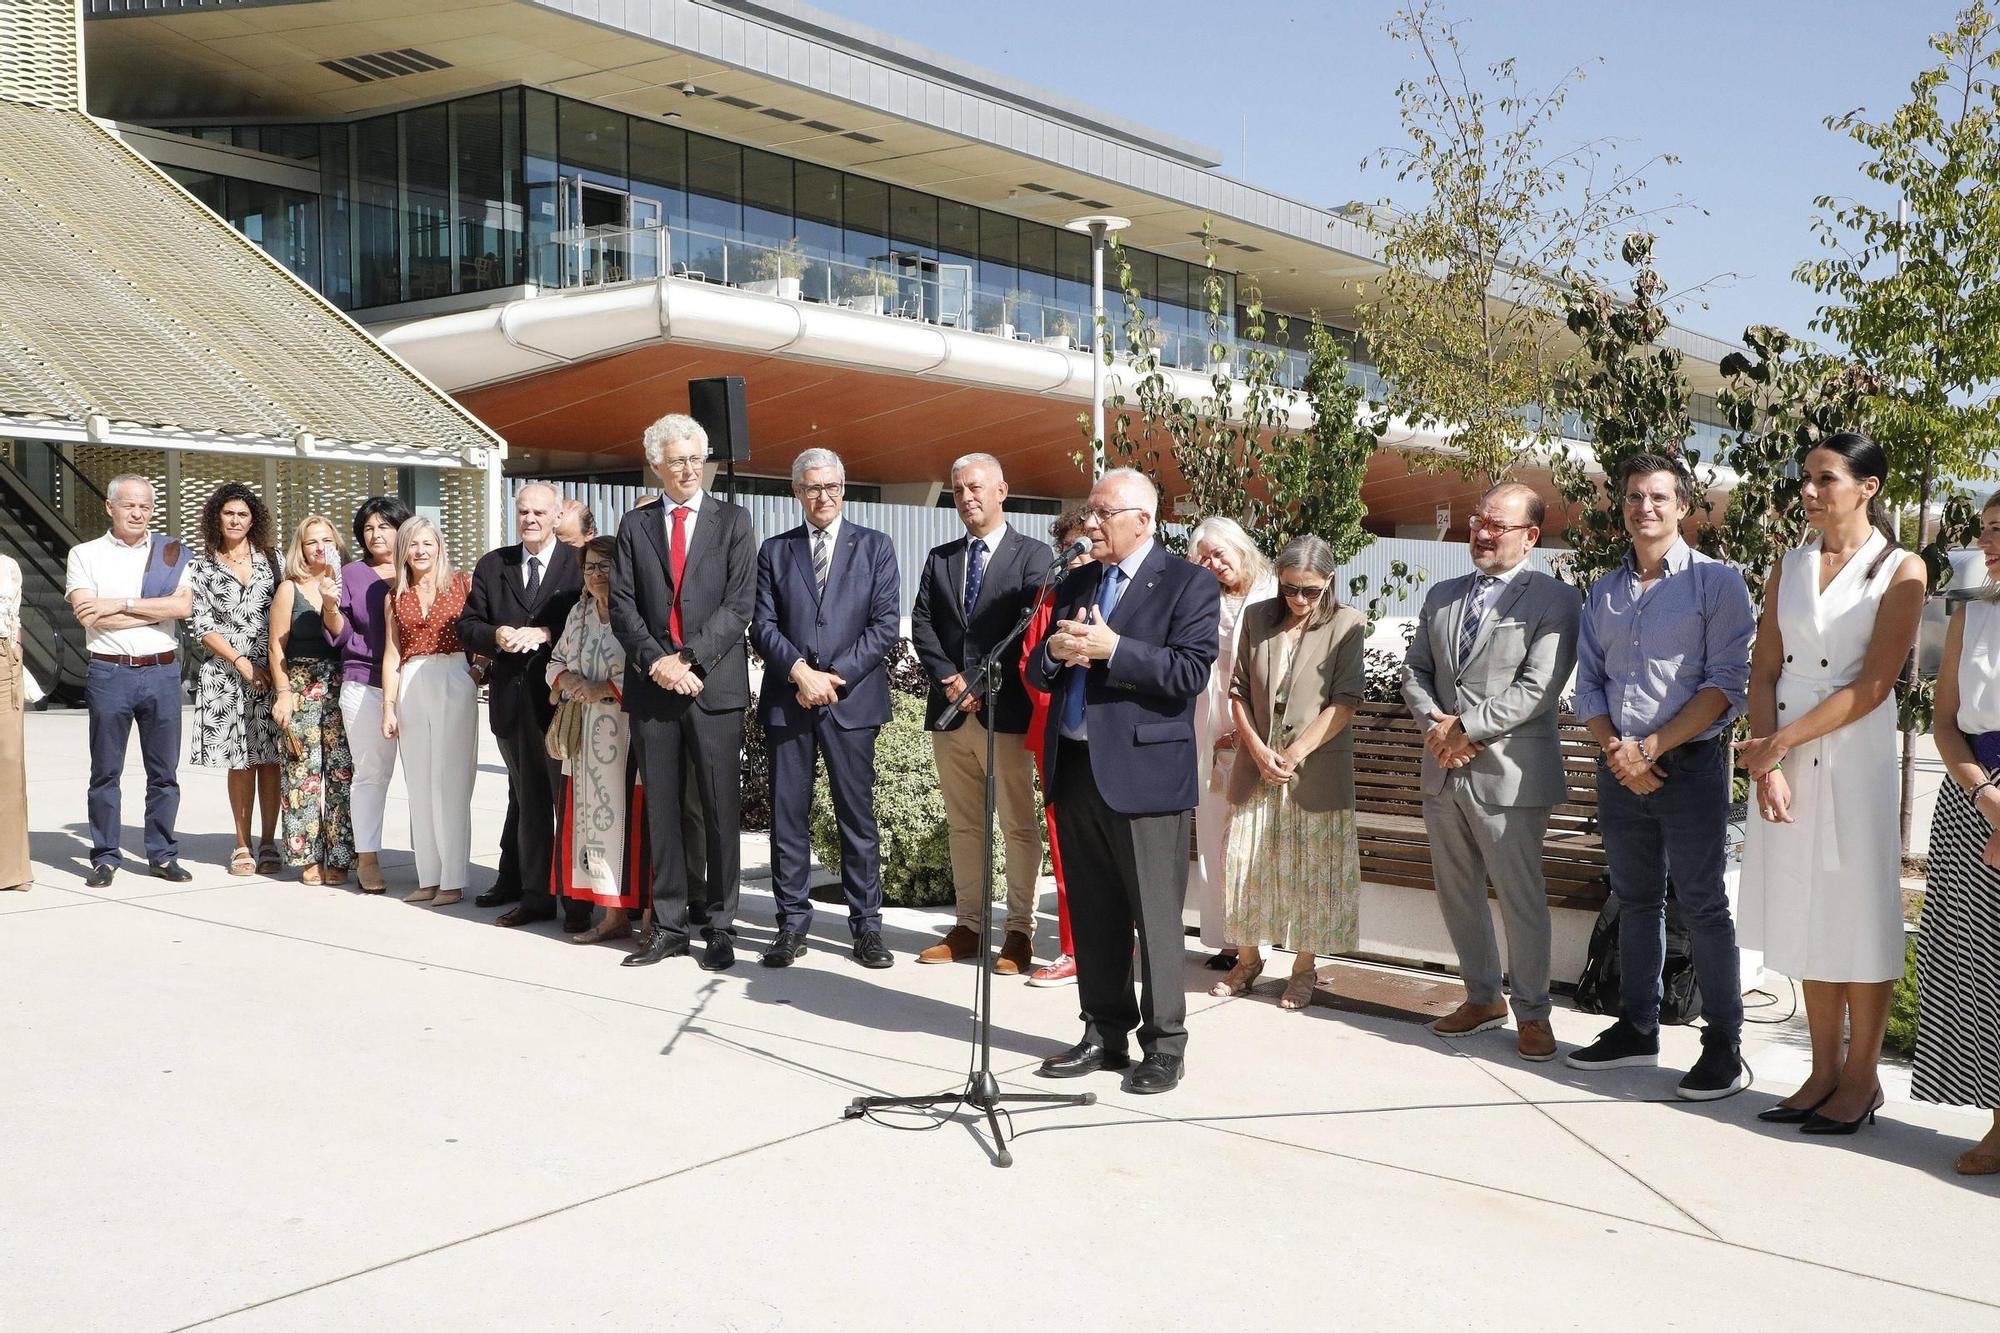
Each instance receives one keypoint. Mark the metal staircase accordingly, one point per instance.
(34, 532)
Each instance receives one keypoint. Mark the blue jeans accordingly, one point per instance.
(1677, 831)
(119, 696)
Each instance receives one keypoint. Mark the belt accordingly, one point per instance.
(127, 660)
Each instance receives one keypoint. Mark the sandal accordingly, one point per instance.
(1978, 1161)
(1240, 979)
(335, 875)
(604, 930)
(1299, 989)
(311, 875)
(241, 862)
(268, 860)
(368, 873)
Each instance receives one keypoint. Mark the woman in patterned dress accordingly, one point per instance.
(233, 584)
(601, 853)
(1958, 949)
(319, 771)
(1292, 874)
(430, 707)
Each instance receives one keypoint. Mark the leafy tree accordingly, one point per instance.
(1464, 324)
(1632, 396)
(1914, 284)
(1234, 450)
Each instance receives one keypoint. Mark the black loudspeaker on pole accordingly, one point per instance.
(717, 403)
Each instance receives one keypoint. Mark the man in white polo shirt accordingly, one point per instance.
(129, 590)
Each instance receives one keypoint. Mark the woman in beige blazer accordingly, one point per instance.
(1292, 877)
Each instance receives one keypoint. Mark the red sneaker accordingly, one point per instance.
(1062, 972)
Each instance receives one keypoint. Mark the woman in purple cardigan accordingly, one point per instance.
(365, 586)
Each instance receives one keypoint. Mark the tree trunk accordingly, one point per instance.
(1910, 668)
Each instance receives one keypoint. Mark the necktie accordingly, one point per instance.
(1107, 601)
(822, 559)
(975, 574)
(1475, 612)
(677, 558)
(534, 576)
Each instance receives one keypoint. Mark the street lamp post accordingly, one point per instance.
(1097, 226)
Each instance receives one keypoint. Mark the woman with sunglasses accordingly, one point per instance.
(1292, 877)
(600, 850)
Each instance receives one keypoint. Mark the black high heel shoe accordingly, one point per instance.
(1782, 1114)
(1822, 1125)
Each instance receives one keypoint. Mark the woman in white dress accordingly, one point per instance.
(1822, 865)
(1224, 549)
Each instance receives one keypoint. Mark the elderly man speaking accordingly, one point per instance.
(1124, 664)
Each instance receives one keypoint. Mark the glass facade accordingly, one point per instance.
(473, 194)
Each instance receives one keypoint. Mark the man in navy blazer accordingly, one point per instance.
(825, 623)
(1123, 666)
(682, 585)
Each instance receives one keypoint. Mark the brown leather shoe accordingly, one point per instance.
(959, 944)
(1469, 1018)
(1017, 955)
(1537, 1040)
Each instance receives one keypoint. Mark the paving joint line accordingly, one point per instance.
(518, 981)
(544, 1215)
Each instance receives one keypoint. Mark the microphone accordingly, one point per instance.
(1081, 546)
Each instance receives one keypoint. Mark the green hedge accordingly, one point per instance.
(916, 841)
(1902, 1033)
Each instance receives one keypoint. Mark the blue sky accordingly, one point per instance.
(1737, 90)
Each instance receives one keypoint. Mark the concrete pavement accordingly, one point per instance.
(247, 1104)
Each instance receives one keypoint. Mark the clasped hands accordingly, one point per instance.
(1082, 639)
(572, 688)
(1762, 755)
(1634, 771)
(816, 688)
(520, 638)
(1276, 767)
(669, 672)
(1448, 743)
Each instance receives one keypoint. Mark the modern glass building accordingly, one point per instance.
(559, 210)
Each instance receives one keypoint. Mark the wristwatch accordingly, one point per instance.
(687, 655)
(129, 603)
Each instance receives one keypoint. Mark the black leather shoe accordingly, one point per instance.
(1086, 1057)
(788, 948)
(170, 871)
(525, 915)
(100, 876)
(870, 952)
(498, 897)
(576, 917)
(718, 955)
(663, 944)
(1155, 1073)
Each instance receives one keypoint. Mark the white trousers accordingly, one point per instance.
(374, 762)
(437, 711)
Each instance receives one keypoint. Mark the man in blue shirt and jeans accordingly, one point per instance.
(1663, 668)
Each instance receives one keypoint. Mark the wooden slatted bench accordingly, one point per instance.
(1389, 810)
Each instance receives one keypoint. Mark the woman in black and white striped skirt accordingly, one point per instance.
(1958, 952)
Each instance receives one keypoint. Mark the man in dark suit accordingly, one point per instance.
(681, 592)
(1123, 668)
(825, 623)
(521, 596)
(972, 592)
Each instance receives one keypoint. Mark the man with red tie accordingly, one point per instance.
(682, 587)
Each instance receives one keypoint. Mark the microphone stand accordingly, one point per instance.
(982, 1090)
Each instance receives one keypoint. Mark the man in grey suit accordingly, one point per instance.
(1492, 653)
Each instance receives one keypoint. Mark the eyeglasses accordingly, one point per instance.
(1312, 594)
(825, 490)
(1642, 501)
(685, 463)
(1101, 516)
(1481, 523)
(596, 567)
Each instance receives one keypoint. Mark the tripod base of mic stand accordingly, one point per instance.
(983, 1094)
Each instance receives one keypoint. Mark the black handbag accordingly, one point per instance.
(1597, 989)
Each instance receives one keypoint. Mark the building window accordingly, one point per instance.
(426, 203)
